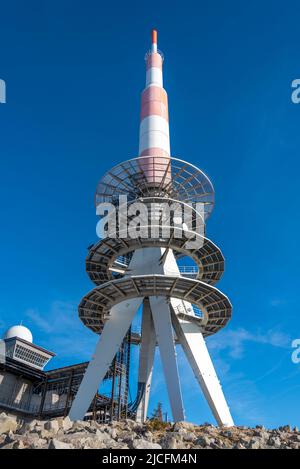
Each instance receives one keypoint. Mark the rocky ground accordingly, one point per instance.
(63, 434)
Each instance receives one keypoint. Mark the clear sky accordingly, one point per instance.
(74, 72)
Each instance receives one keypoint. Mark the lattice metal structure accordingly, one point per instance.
(180, 305)
(176, 179)
(105, 406)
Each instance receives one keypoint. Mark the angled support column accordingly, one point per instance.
(164, 333)
(109, 343)
(147, 351)
(192, 341)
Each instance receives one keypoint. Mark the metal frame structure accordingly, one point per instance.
(187, 183)
(94, 309)
(102, 260)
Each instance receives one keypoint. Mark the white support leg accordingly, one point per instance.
(193, 344)
(147, 351)
(109, 343)
(164, 333)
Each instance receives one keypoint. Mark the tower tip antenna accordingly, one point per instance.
(154, 36)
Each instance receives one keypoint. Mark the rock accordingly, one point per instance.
(217, 444)
(44, 434)
(189, 436)
(148, 436)
(65, 424)
(18, 445)
(38, 428)
(226, 444)
(8, 439)
(284, 428)
(260, 427)
(204, 441)
(274, 441)
(183, 426)
(130, 424)
(239, 446)
(170, 443)
(144, 444)
(113, 432)
(295, 445)
(28, 426)
(56, 444)
(227, 433)
(41, 443)
(91, 443)
(80, 425)
(52, 426)
(61, 433)
(102, 436)
(7, 424)
(254, 444)
(123, 446)
(8, 445)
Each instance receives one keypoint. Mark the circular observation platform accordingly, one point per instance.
(161, 210)
(149, 176)
(94, 308)
(110, 256)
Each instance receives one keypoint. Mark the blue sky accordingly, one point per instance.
(74, 72)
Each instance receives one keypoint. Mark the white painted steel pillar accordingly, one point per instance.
(164, 333)
(194, 346)
(192, 341)
(147, 351)
(114, 331)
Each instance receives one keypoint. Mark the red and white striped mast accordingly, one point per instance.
(154, 139)
(154, 124)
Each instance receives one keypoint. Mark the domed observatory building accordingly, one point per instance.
(21, 370)
(19, 346)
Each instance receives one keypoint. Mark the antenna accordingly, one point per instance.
(154, 40)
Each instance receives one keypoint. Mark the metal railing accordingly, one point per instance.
(181, 309)
(122, 260)
(197, 312)
(21, 406)
(188, 270)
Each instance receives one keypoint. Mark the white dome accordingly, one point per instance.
(18, 331)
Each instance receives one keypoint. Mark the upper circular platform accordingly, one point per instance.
(149, 176)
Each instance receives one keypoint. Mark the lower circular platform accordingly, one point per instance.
(94, 308)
